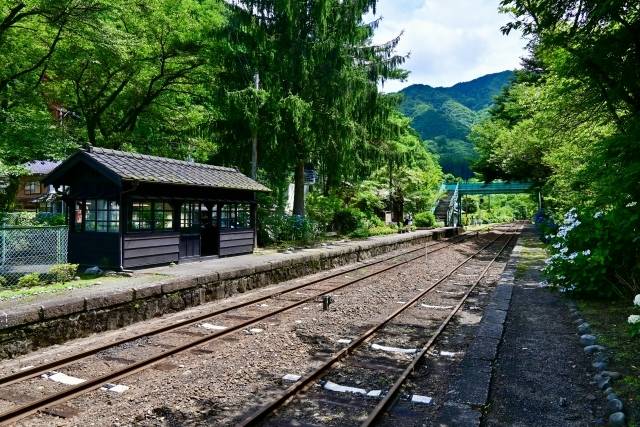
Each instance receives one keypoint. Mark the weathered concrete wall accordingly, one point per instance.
(26, 329)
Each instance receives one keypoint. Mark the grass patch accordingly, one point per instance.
(532, 255)
(609, 321)
(54, 288)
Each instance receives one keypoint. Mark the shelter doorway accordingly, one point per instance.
(209, 231)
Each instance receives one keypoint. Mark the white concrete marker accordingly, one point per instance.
(344, 341)
(298, 321)
(26, 367)
(343, 388)
(401, 302)
(393, 349)
(115, 388)
(291, 377)
(59, 377)
(438, 307)
(374, 393)
(255, 330)
(213, 327)
(448, 353)
(263, 305)
(306, 308)
(416, 398)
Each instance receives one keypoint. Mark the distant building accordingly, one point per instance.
(32, 194)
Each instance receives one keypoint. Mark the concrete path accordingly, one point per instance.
(542, 376)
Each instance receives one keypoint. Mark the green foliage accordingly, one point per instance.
(63, 272)
(570, 122)
(46, 218)
(3, 281)
(289, 228)
(424, 219)
(29, 280)
(595, 253)
(444, 116)
(347, 220)
(322, 209)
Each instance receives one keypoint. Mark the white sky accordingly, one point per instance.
(449, 41)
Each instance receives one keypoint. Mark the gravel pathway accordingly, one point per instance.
(542, 376)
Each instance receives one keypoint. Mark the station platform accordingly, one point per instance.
(116, 301)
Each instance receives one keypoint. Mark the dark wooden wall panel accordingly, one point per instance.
(236, 242)
(141, 250)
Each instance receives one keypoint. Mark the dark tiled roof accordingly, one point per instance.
(41, 167)
(139, 167)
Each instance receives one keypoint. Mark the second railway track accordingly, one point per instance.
(302, 402)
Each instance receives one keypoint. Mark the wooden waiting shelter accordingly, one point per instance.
(129, 210)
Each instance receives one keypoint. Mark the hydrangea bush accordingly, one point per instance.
(595, 253)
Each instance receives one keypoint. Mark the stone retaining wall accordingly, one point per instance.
(29, 328)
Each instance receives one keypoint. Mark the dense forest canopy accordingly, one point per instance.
(571, 122)
(272, 87)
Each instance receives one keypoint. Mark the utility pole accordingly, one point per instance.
(254, 134)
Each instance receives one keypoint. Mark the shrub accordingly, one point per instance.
(348, 220)
(46, 218)
(277, 228)
(424, 219)
(3, 281)
(595, 253)
(322, 209)
(63, 272)
(382, 230)
(360, 233)
(29, 280)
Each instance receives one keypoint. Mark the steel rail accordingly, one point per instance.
(22, 411)
(391, 395)
(305, 381)
(40, 369)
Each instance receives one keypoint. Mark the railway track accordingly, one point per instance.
(358, 353)
(316, 287)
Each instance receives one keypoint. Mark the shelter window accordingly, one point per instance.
(140, 216)
(163, 216)
(147, 216)
(98, 215)
(190, 215)
(31, 188)
(236, 216)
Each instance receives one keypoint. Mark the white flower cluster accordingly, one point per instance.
(598, 214)
(571, 221)
(631, 204)
(635, 318)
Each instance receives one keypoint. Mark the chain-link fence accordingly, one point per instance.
(26, 250)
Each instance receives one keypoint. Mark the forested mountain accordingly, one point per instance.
(444, 116)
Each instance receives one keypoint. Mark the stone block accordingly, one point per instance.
(20, 316)
(68, 306)
(109, 299)
(484, 348)
(147, 291)
(176, 285)
(472, 386)
(494, 316)
(490, 330)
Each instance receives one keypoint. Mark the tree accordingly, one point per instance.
(321, 73)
